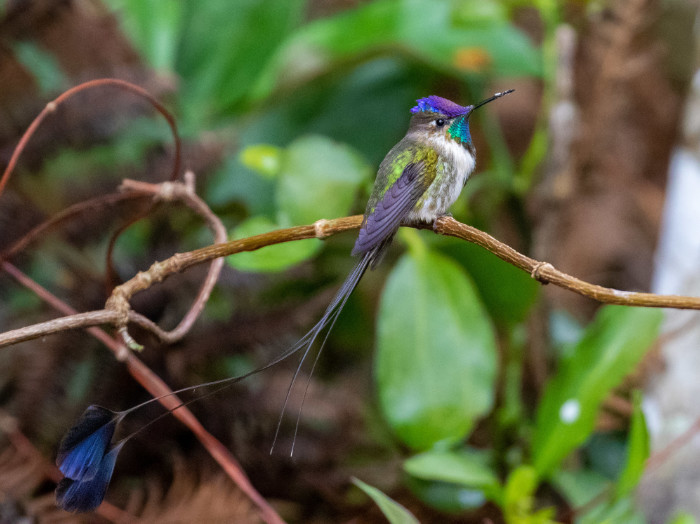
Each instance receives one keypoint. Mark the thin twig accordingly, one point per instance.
(187, 195)
(100, 82)
(541, 271)
(548, 274)
(69, 213)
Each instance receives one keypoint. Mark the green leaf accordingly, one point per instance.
(446, 496)
(263, 159)
(610, 349)
(436, 354)
(580, 486)
(637, 450)
(228, 43)
(508, 293)
(519, 498)
(430, 31)
(366, 106)
(468, 468)
(319, 179)
(273, 258)
(234, 184)
(619, 511)
(392, 510)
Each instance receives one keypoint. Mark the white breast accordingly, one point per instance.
(455, 164)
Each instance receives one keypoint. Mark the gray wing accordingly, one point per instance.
(380, 226)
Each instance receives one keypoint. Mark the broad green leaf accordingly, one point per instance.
(392, 510)
(319, 179)
(478, 12)
(228, 43)
(518, 491)
(610, 349)
(468, 468)
(507, 292)
(273, 258)
(431, 31)
(436, 354)
(637, 450)
(263, 159)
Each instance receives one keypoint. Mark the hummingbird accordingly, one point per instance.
(417, 182)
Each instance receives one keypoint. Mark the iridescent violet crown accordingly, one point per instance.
(438, 104)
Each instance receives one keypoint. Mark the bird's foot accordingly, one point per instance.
(445, 215)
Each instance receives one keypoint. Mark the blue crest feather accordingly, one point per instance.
(437, 104)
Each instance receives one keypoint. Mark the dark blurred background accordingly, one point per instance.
(286, 108)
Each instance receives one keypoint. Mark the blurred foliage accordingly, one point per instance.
(307, 109)
(393, 511)
(610, 349)
(272, 258)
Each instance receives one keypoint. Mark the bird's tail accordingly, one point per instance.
(307, 341)
(86, 425)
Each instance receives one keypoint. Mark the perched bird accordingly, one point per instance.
(417, 182)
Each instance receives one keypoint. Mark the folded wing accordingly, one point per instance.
(381, 224)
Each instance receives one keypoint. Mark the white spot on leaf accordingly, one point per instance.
(570, 411)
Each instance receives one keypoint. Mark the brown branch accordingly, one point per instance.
(168, 191)
(67, 214)
(187, 195)
(118, 310)
(544, 272)
(57, 325)
(548, 274)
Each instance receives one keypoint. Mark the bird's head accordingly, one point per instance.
(437, 117)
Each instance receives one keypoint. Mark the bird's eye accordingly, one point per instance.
(440, 122)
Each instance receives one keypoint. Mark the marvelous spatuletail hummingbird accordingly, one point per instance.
(417, 182)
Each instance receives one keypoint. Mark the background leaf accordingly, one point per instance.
(436, 353)
(435, 32)
(637, 450)
(270, 259)
(507, 292)
(465, 467)
(319, 179)
(610, 348)
(393, 511)
(518, 499)
(264, 159)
